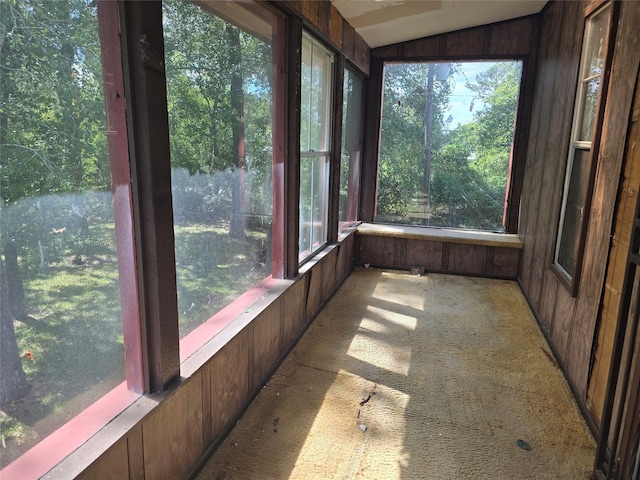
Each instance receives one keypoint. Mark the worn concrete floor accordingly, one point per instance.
(404, 376)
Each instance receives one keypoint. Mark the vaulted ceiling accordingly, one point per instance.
(384, 22)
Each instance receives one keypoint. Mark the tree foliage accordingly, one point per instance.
(50, 99)
(467, 166)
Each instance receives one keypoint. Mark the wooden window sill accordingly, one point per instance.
(449, 235)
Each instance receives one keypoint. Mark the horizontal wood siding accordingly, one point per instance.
(570, 322)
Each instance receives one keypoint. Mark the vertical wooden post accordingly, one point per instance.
(292, 163)
(148, 125)
(121, 190)
(336, 146)
(373, 112)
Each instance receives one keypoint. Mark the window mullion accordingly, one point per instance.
(151, 178)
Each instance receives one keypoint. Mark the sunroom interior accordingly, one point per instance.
(187, 185)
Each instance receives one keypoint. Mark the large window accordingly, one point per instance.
(61, 336)
(580, 163)
(445, 143)
(219, 88)
(315, 128)
(352, 116)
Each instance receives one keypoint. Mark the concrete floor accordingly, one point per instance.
(404, 376)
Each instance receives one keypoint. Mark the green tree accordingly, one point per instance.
(408, 106)
(218, 98)
(51, 105)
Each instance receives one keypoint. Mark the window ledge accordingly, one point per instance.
(468, 237)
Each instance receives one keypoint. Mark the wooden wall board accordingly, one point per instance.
(466, 43)
(400, 252)
(533, 167)
(135, 451)
(623, 221)
(550, 134)
(467, 259)
(565, 66)
(310, 10)
(424, 253)
(172, 435)
(293, 310)
(207, 411)
(112, 464)
(348, 40)
(330, 272)
(507, 38)
(267, 342)
(230, 374)
(426, 47)
(626, 61)
(314, 295)
(505, 264)
(324, 12)
(374, 250)
(511, 38)
(335, 26)
(561, 331)
(362, 55)
(548, 301)
(345, 261)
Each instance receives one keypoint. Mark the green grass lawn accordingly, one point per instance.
(73, 327)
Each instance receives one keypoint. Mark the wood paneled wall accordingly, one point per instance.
(164, 435)
(439, 254)
(570, 322)
(326, 20)
(618, 252)
(513, 39)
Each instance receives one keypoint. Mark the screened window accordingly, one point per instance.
(219, 86)
(62, 334)
(315, 127)
(580, 164)
(352, 115)
(445, 143)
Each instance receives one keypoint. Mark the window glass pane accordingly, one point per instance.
(320, 99)
(61, 337)
(305, 95)
(219, 97)
(315, 127)
(574, 211)
(445, 146)
(589, 104)
(352, 114)
(314, 184)
(595, 38)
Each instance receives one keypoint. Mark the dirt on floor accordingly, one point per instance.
(404, 376)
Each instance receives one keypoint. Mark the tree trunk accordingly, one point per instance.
(13, 381)
(15, 289)
(237, 225)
